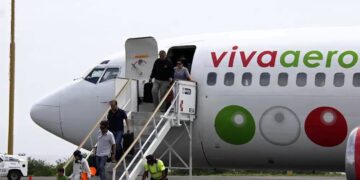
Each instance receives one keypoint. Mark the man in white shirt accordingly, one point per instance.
(105, 147)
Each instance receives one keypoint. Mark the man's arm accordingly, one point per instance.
(163, 174)
(162, 168)
(171, 71)
(87, 169)
(94, 150)
(113, 151)
(113, 147)
(153, 72)
(127, 125)
(144, 176)
(126, 121)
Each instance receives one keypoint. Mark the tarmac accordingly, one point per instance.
(225, 178)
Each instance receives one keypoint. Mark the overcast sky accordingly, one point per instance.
(58, 40)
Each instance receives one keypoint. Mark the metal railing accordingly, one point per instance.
(138, 140)
(123, 88)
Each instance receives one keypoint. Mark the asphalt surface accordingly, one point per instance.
(226, 178)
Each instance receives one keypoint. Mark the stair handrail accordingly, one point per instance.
(155, 132)
(142, 130)
(95, 126)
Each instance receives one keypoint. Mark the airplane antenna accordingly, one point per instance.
(12, 81)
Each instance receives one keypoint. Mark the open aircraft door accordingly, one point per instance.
(141, 54)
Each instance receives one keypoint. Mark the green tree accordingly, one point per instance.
(39, 167)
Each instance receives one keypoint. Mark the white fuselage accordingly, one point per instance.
(266, 99)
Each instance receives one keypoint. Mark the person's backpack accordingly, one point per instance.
(147, 92)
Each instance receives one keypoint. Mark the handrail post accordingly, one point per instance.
(113, 174)
(126, 170)
(155, 128)
(141, 149)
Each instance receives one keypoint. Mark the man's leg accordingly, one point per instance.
(155, 92)
(100, 161)
(118, 140)
(164, 87)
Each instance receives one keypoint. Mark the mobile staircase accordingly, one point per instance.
(151, 128)
(181, 113)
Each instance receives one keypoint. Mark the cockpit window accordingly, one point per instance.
(13, 159)
(10, 159)
(110, 73)
(94, 75)
(1, 160)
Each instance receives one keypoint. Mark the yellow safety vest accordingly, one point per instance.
(155, 169)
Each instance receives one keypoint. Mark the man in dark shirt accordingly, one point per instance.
(163, 72)
(116, 117)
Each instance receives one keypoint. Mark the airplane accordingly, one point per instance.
(266, 99)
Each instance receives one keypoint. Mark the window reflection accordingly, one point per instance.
(110, 73)
(246, 79)
(211, 79)
(94, 75)
(229, 79)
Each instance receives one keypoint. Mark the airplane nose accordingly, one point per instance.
(46, 113)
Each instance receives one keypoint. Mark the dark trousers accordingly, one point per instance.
(118, 135)
(100, 165)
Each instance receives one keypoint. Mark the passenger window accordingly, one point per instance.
(110, 73)
(339, 79)
(356, 80)
(301, 79)
(94, 75)
(320, 79)
(211, 79)
(246, 79)
(283, 79)
(264, 79)
(229, 79)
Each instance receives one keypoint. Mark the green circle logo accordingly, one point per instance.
(235, 125)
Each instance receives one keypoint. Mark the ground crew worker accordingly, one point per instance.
(156, 168)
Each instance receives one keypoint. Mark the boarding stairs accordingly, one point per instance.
(180, 114)
(150, 128)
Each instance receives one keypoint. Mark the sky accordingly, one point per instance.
(58, 40)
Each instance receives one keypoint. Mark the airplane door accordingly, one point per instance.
(141, 54)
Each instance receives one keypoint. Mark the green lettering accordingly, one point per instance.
(312, 56)
(329, 58)
(295, 60)
(353, 61)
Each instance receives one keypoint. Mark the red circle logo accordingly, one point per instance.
(326, 126)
